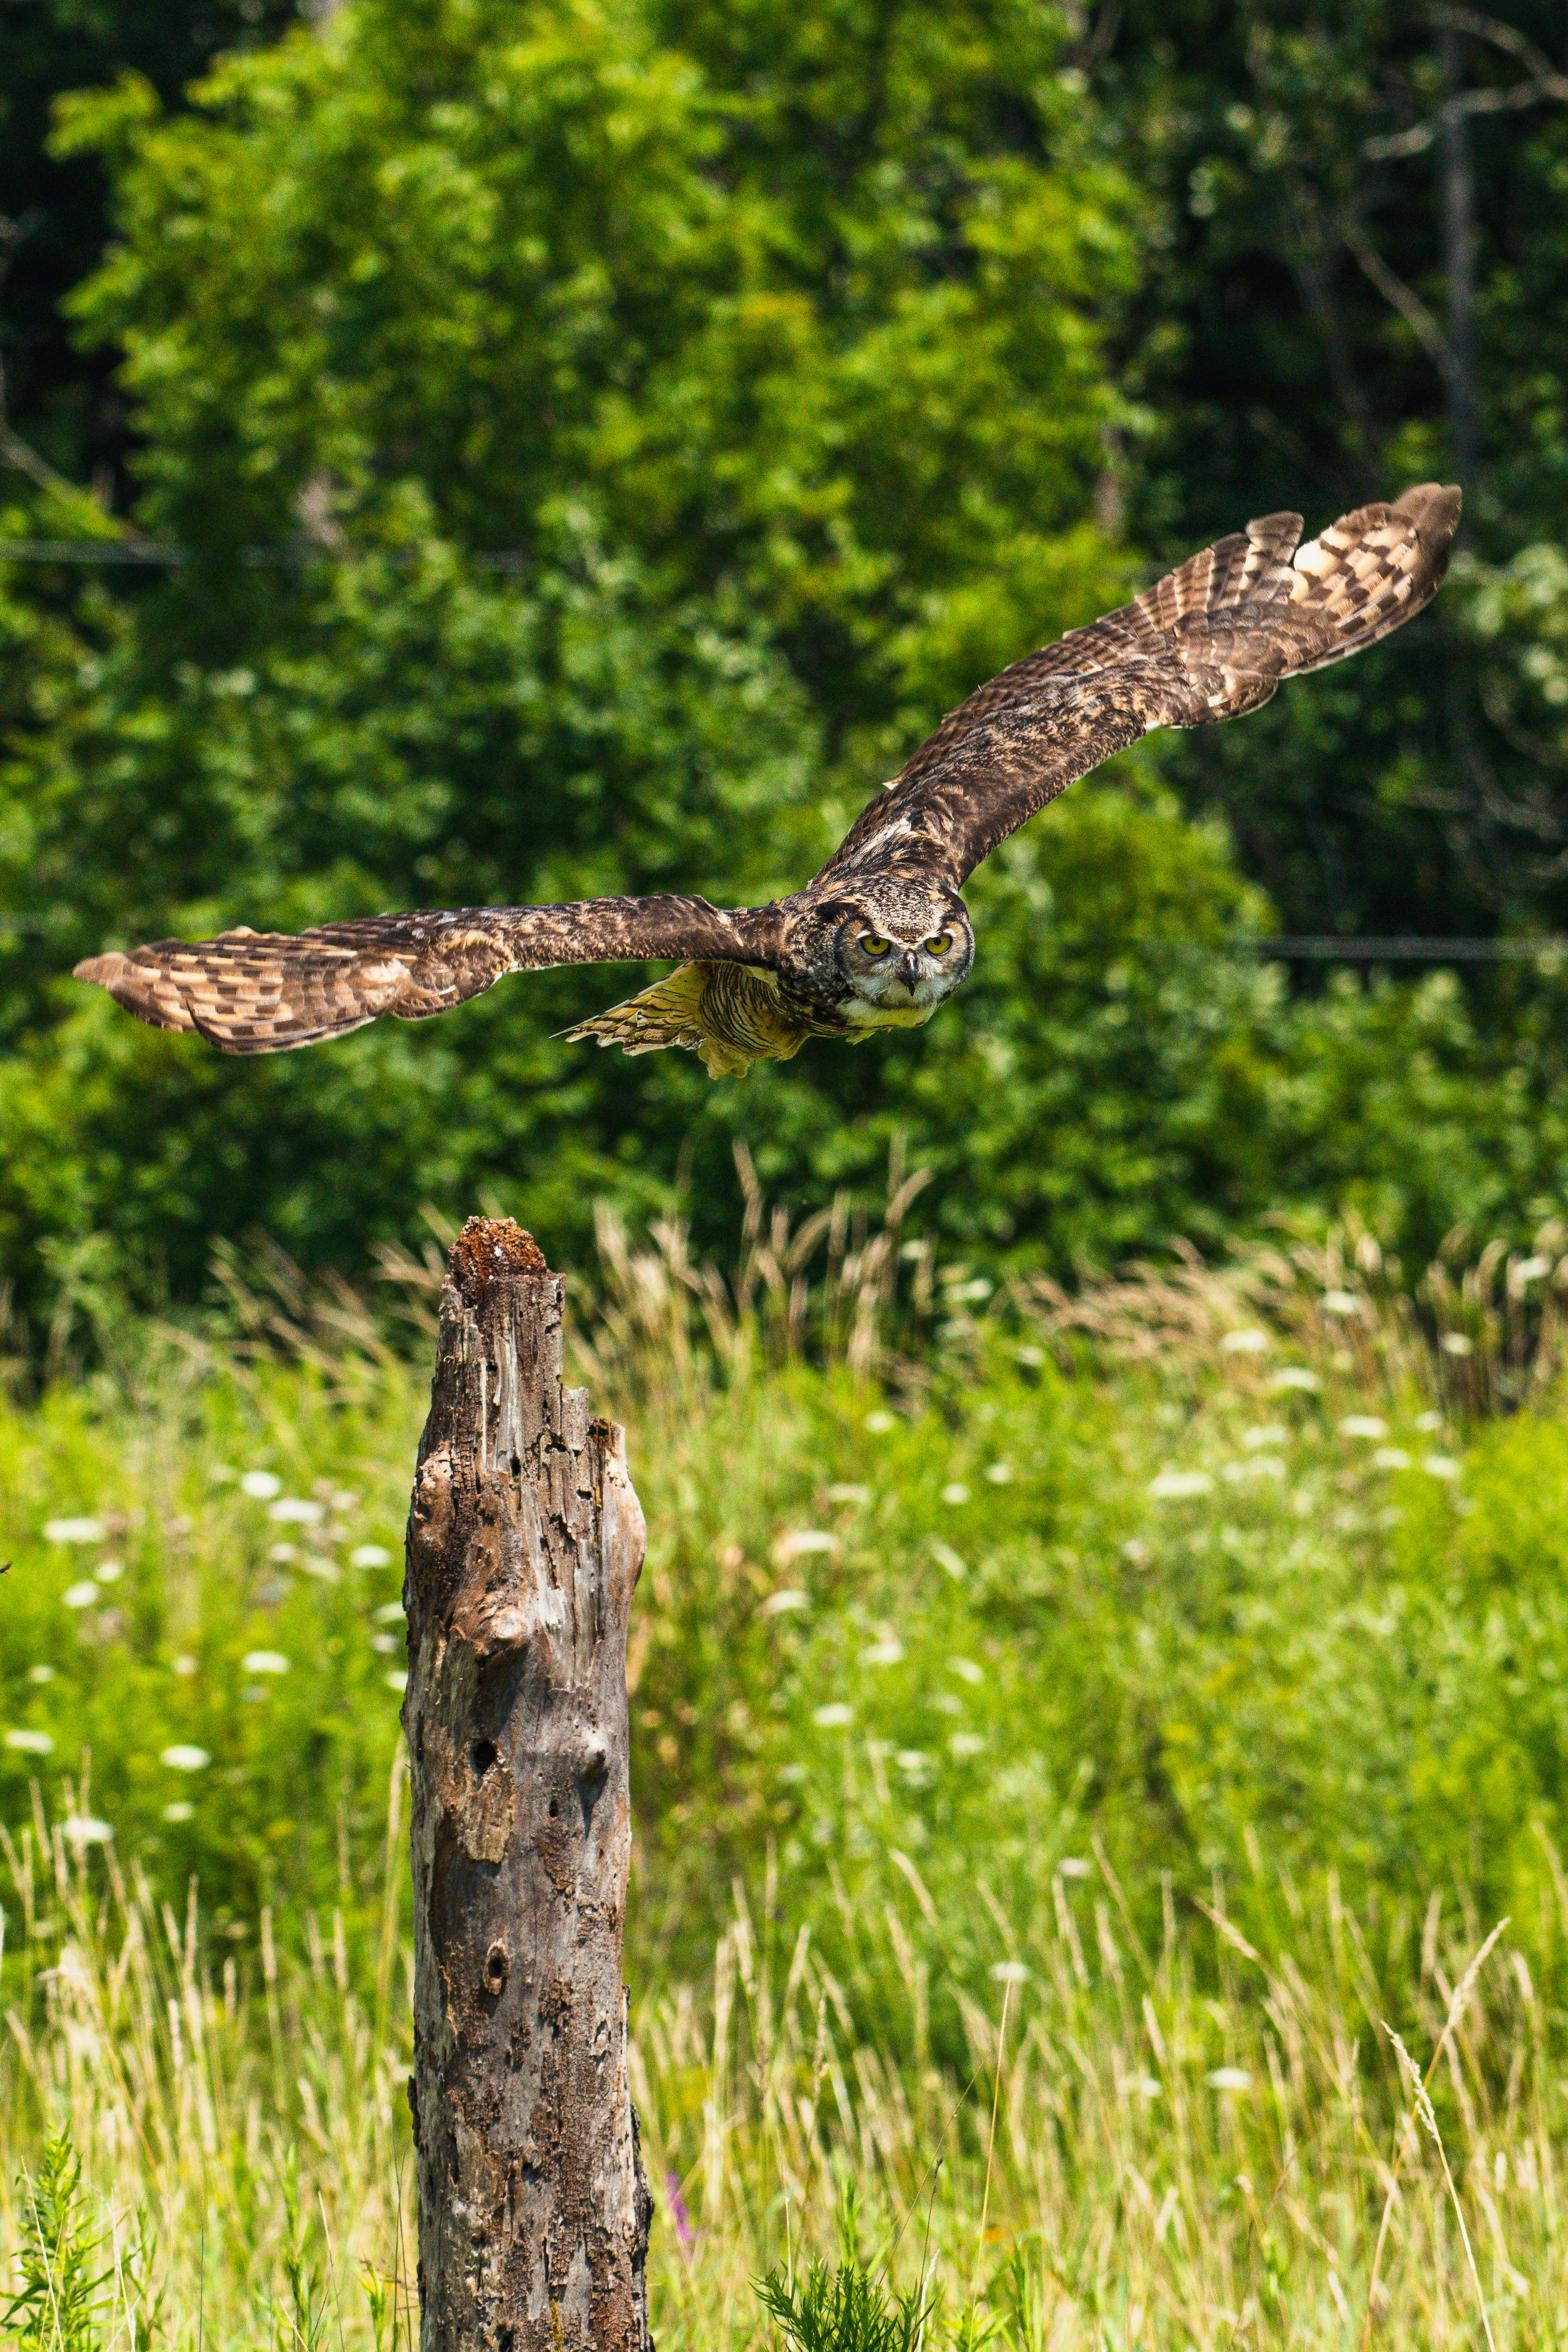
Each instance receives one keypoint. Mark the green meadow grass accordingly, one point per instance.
(1071, 1738)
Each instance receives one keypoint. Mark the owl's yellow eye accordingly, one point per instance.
(939, 943)
(872, 946)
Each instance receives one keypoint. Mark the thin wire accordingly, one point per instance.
(152, 555)
(1401, 950)
(1329, 949)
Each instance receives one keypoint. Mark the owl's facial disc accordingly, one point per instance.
(901, 959)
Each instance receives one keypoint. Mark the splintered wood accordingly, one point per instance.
(524, 1545)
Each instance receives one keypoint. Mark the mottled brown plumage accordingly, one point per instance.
(881, 937)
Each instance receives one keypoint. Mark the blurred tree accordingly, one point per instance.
(1363, 282)
(647, 489)
(59, 401)
(606, 438)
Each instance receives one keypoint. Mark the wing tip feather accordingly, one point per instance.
(102, 968)
(133, 988)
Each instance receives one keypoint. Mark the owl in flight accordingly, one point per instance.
(881, 936)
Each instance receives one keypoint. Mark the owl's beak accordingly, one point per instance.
(909, 969)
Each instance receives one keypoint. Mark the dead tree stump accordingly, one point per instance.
(524, 1545)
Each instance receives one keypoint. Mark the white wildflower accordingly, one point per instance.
(1362, 1424)
(264, 1662)
(1341, 1302)
(31, 1743)
(40, 1674)
(1000, 1474)
(1073, 1866)
(1174, 1486)
(966, 1670)
(183, 1665)
(1228, 2078)
(182, 1810)
(283, 1553)
(108, 1572)
(1439, 1465)
(1244, 1343)
(1296, 1376)
(880, 1424)
(955, 1492)
(262, 1484)
(85, 1829)
(326, 1571)
(796, 1541)
(829, 1717)
(1390, 1458)
(777, 1603)
(370, 1556)
(297, 1512)
(849, 1494)
(1010, 1972)
(389, 1613)
(966, 1743)
(1268, 1433)
(73, 1532)
(81, 1596)
(396, 1682)
(947, 1559)
(183, 1759)
(1455, 1343)
(883, 1654)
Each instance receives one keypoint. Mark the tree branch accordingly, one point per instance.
(1408, 304)
(1545, 84)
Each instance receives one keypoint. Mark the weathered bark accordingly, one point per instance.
(524, 1544)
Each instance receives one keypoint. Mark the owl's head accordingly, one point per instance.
(902, 950)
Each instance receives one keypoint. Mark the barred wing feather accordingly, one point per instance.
(1212, 640)
(265, 991)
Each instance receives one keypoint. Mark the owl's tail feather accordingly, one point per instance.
(668, 1013)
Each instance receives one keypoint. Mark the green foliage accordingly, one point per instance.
(310, 2311)
(58, 2306)
(844, 2307)
(781, 451)
(1297, 351)
(63, 403)
(380, 2301)
(841, 2310)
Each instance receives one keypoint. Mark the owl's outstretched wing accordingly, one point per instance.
(1209, 641)
(263, 991)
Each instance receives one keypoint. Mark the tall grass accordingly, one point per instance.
(1194, 2142)
(1073, 1735)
